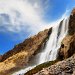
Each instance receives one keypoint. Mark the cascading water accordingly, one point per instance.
(54, 43)
(59, 31)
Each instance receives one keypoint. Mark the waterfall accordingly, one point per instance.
(54, 43)
(50, 53)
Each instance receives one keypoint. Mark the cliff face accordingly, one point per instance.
(67, 49)
(68, 44)
(20, 55)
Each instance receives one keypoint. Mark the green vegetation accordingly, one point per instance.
(40, 67)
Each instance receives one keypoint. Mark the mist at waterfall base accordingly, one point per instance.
(59, 31)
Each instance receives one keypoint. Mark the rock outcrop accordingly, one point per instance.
(67, 47)
(65, 67)
(68, 44)
(20, 55)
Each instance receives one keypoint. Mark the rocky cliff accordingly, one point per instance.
(66, 53)
(68, 44)
(21, 54)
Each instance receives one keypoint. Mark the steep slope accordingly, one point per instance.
(67, 66)
(36, 40)
(20, 55)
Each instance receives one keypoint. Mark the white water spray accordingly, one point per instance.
(54, 43)
(50, 53)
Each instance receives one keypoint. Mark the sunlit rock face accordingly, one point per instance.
(27, 45)
(65, 67)
(67, 47)
(21, 54)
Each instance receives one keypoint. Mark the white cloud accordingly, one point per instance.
(23, 15)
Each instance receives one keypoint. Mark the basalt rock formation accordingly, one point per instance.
(20, 55)
(66, 53)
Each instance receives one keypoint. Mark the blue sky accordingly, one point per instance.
(20, 19)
